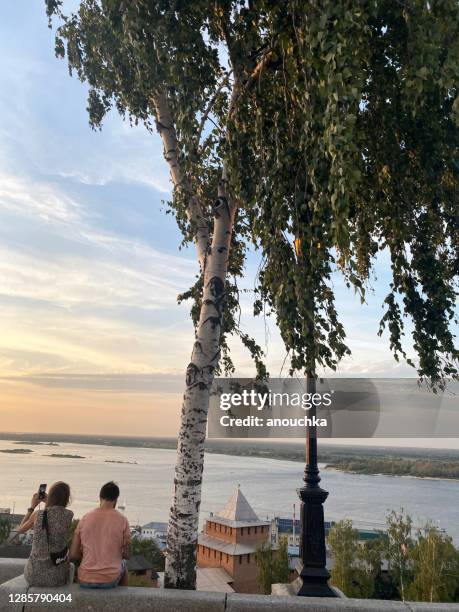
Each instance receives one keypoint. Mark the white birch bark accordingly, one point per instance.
(166, 128)
(184, 515)
(213, 256)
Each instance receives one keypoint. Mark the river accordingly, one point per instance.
(146, 475)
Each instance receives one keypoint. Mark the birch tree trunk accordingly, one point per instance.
(213, 254)
(184, 515)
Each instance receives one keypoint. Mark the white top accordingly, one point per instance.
(237, 509)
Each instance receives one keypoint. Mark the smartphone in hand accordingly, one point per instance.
(42, 491)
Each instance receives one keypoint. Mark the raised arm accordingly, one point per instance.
(28, 522)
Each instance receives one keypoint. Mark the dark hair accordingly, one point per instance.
(110, 491)
(58, 495)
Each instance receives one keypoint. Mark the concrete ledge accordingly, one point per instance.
(10, 568)
(263, 603)
(131, 598)
(15, 586)
(163, 600)
(414, 606)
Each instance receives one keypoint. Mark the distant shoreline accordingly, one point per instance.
(330, 468)
(36, 443)
(388, 461)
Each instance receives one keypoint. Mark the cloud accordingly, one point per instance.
(76, 296)
(121, 383)
(88, 264)
(73, 281)
(26, 197)
(131, 156)
(50, 340)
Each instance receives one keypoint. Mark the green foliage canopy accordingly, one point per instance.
(150, 550)
(420, 568)
(353, 143)
(5, 530)
(272, 565)
(344, 137)
(343, 542)
(436, 567)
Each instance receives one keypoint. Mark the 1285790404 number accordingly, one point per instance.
(40, 597)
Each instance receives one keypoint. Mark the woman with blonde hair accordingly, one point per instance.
(49, 564)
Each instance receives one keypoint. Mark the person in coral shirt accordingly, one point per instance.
(102, 541)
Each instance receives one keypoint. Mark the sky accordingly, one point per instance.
(92, 339)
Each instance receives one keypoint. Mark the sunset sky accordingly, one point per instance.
(91, 337)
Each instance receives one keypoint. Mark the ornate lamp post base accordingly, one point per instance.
(312, 564)
(315, 583)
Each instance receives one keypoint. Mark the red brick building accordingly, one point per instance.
(229, 541)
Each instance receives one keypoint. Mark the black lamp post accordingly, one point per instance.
(312, 564)
(313, 558)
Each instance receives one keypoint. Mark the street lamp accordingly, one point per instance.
(313, 559)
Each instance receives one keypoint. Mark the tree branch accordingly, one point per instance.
(194, 211)
(256, 73)
(209, 108)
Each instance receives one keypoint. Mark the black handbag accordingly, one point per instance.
(60, 557)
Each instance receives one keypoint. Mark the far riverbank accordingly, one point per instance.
(389, 461)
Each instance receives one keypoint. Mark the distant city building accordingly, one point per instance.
(368, 534)
(155, 531)
(229, 541)
(139, 566)
(293, 540)
(283, 527)
(293, 550)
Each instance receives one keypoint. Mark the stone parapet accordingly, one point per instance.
(163, 600)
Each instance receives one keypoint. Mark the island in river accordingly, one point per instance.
(65, 456)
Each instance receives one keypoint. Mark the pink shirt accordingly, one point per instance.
(103, 533)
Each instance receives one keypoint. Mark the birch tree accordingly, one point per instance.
(399, 549)
(158, 63)
(435, 567)
(322, 125)
(344, 545)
